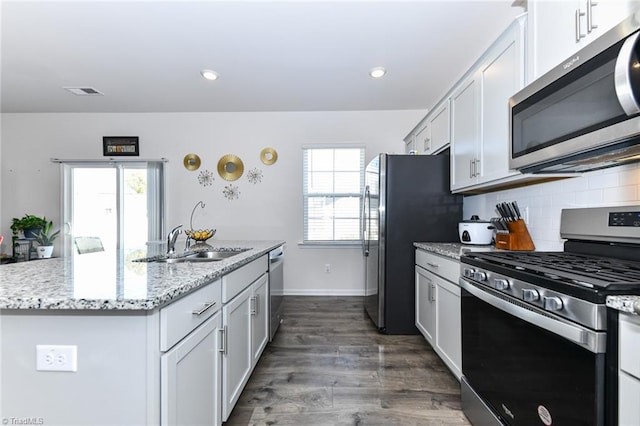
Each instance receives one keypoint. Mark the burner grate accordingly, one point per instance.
(583, 270)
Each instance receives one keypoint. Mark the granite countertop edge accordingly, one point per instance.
(452, 250)
(202, 274)
(626, 304)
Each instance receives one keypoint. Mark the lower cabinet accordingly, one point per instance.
(246, 333)
(426, 304)
(438, 307)
(237, 356)
(259, 318)
(191, 378)
(629, 370)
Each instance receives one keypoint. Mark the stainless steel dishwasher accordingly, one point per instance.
(276, 289)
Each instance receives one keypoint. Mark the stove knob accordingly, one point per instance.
(479, 276)
(552, 303)
(501, 284)
(530, 295)
(468, 272)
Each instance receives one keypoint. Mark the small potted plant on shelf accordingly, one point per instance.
(29, 224)
(45, 239)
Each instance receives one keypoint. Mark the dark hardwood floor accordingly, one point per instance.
(328, 365)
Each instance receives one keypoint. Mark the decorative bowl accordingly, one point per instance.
(200, 234)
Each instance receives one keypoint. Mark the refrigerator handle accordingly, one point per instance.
(365, 217)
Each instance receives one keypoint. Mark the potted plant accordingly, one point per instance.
(29, 224)
(45, 239)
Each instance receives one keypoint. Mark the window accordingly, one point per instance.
(118, 203)
(332, 181)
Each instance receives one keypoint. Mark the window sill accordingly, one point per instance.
(330, 245)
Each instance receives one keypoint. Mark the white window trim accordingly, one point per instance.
(343, 244)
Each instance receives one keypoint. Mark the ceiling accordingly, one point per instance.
(295, 55)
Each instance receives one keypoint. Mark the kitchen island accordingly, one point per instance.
(152, 340)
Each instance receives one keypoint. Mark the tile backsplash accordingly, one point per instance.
(541, 204)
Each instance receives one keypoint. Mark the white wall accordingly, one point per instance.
(269, 210)
(616, 186)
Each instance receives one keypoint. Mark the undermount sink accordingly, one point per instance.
(201, 256)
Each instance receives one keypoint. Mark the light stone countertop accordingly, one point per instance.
(452, 250)
(628, 304)
(99, 281)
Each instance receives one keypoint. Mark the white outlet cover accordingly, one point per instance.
(57, 358)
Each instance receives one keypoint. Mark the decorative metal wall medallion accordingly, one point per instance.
(268, 156)
(191, 162)
(231, 192)
(254, 175)
(230, 167)
(205, 178)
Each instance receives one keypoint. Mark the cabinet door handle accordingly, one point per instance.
(432, 292)
(579, 34)
(471, 168)
(590, 25)
(253, 305)
(223, 339)
(426, 145)
(476, 168)
(433, 265)
(257, 304)
(204, 308)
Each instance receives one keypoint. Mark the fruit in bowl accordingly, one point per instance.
(200, 234)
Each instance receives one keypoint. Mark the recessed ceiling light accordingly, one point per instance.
(377, 72)
(209, 74)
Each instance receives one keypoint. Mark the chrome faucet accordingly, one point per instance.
(171, 239)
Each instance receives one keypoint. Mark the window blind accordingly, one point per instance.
(333, 178)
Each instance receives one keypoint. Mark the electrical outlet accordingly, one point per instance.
(56, 358)
(327, 268)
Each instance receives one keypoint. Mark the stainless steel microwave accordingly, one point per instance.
(585, 113)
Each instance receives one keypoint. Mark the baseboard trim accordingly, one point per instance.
(324, 292)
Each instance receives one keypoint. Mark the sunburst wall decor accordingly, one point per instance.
(231, 192)
(255, 176)
(205, 178)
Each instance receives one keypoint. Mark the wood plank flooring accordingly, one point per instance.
(328, 365)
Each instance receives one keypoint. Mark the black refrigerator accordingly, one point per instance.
(406, 199)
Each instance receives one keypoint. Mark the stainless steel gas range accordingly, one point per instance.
(539, 345)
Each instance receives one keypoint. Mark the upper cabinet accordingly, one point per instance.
(558, 29)
(480, 113)
(431, 135)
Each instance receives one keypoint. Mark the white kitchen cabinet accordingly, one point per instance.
(629, 370)
(190, 367)
(426, 304)
(558, 29)
(245, 318)
(191, 378)
(259, 317)
(438, 307)
(465, 133)
(237, 360)
(409, 143)
(431, 135)
(480, 113)
(438, 123)
(449, 325)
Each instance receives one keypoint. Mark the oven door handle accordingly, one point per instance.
(588, 339)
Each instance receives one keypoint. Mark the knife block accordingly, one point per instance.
(518, 238)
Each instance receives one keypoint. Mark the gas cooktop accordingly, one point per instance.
(579, 269)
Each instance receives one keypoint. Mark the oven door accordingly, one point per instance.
(527, 366)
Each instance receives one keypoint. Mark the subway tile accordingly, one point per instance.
(621, 194)
(589, 198)
(609, 180)
(580, 183)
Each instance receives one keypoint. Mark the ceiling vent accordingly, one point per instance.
(84, 91)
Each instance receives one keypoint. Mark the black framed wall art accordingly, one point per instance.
(120, 146)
